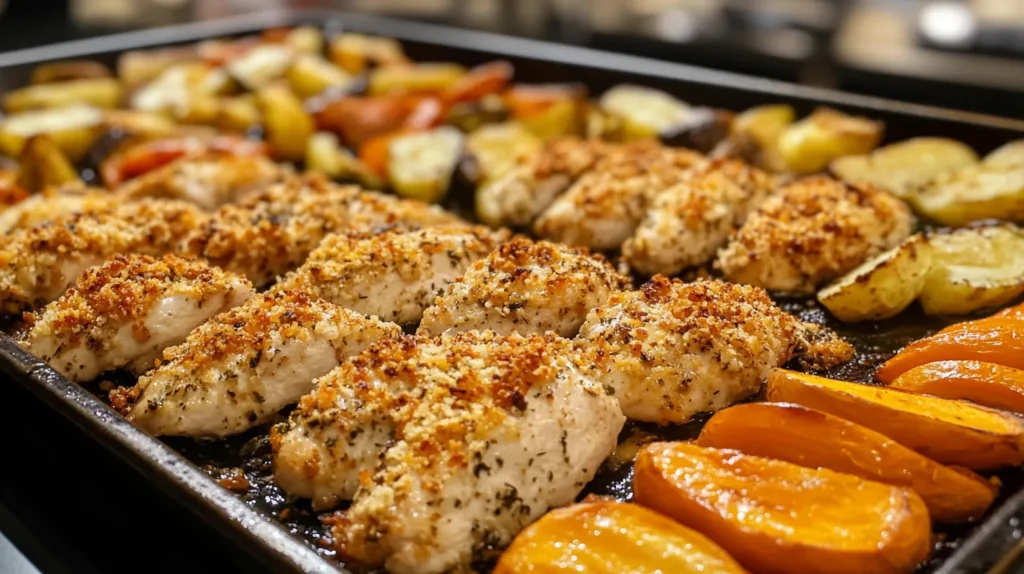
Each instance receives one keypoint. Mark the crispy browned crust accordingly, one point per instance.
(224, 179)
(569, 156)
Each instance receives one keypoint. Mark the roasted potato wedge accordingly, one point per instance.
(261, 65)
(421, 165)
(73, 128)
(994, 340)
(881, 287)
(974, 268)
(311, 74)
(238, 113)
(608, 537)
(305, 40)
(325, 154)
(809, 145)
(972, 194)
(44, 164)
(901, 167)
(66, 70)
(781, 518)
(987, 384)
(288, 126)
(815, 439)
(645, 112)
(174, 88)
(140, 67)
(764, 124)
(497, 148)
(97, 92)
(1008, 155)
(144, 124)
(950, 432)
(356, 53)
(427, 78)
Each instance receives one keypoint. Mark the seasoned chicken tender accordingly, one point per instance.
(125, 312)
(38, 264)
(812, 231)
(241, 367)
(603, 208)
(271, 232)
(208, 182)
(518, 197)
(393, 275)
(469, 438)
(688, 222)
(525, 287)
(56, 202)
(673, 349)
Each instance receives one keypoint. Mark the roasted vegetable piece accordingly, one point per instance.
(702, 130)
(44, 164)
(357, 119)
(427, 78)
(987, 384)
(764, 124)
(98, 92)
(305, 39)
(497, 148)
(815, 439)
(779, 518)
(974, 268)
(356, 52)
(288, 126)
(950, 432)
(974, 193)
(645, 112)
(68, 70)
(811, 143)
(881, 287)
(421, 165)
(146, 156)
(608, 537)
(144, 124)
(471, 116)
(1007, 155)
(1014, 312)
(311, 74)
(326, 155)
(999, 340)
(901, 167)
(238, 114)
(140, 67)
(173, 89)
(480, 81)
(550, 110)
(74, 129)
(261, 65)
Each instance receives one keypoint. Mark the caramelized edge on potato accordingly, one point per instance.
(951, 432)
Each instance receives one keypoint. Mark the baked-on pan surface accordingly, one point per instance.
(257, 517)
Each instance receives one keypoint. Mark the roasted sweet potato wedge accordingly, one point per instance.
(951, 432)
(607, 537)
(979, 382)
(778, 517)
(999, 341)
(815, 439)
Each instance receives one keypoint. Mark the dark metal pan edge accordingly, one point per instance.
(244, 526)
(152, 459)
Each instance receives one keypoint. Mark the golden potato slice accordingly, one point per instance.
(145, 124)
(98, 92)
(497, 148)
(43, 164)
(325, 154)
(427, 78)
(881, 287)
(645, 112)
(305, 40)
(815, 439)
(608, 537)
(421, 165)
(974, 268)
(781, 518)
(971, 194)
(142, 66)
(311, 74)
(69, 70)
(288, 126)
(73, 128)
(238, 113)
(811, 143)
(174, 87)
(947, 431)
(1007, 155)
(261, 65)
(764, 123)
(901, 167)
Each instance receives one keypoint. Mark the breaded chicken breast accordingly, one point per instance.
(604, 207)
(674, 349)
(465, 439)
(125, 312)
(812, 231)
(56, 202)
(393, 275)
(525, 287)
(208, 182)
(244, 365)
(688, 222)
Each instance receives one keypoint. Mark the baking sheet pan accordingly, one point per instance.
(257, 518)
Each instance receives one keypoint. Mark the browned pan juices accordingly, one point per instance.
(242, 465)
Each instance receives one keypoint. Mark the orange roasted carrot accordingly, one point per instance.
(482, 80)
(987, 384)
(1015, 312)
(999, 341)
(374, 152)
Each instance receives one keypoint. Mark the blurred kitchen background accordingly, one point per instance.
(966, 54)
